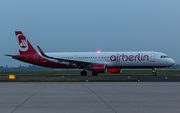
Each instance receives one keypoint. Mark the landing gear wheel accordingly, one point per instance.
(154, 73)
(94, 73)
(83, 73)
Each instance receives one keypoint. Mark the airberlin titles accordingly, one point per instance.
(123, 57)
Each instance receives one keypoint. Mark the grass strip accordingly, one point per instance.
(5, 79)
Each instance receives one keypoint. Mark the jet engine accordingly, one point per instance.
(99, 68)
(114, 70)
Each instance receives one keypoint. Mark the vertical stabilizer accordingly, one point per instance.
(23, 44)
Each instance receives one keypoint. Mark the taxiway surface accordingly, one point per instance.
(143, 78)
(89, 97)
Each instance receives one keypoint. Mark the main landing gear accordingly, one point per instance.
(154, 73)
(83, 73)
(94, 73)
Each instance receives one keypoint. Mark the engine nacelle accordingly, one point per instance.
(114, 70)
(99, 68)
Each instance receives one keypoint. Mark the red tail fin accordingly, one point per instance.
(23, 44)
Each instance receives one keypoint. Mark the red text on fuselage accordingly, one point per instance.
(138, 57)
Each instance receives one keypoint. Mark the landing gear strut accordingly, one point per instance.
(154, 73)
(83, 73)
(94, 73)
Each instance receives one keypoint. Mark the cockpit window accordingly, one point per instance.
(164, 57)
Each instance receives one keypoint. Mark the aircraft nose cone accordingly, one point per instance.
(172, 62)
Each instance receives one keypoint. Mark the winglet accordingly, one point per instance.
(42, 53)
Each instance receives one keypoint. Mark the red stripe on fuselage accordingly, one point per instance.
(38, 60)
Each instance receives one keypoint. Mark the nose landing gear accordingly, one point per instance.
(154, 73)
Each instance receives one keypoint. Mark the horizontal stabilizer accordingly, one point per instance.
(20, 57)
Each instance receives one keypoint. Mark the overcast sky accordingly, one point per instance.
(90, 25)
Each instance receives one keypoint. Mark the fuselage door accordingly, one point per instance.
(36, 58)
(152, 57)
(76, 56)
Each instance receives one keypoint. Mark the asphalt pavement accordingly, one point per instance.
(89, 97)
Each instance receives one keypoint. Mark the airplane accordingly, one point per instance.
(97, 62)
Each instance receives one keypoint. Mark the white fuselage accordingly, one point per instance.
(139, 59)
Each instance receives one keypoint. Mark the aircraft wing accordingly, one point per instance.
(77, 62)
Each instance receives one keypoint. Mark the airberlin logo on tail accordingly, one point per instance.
(23, 45)
(138, 57)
